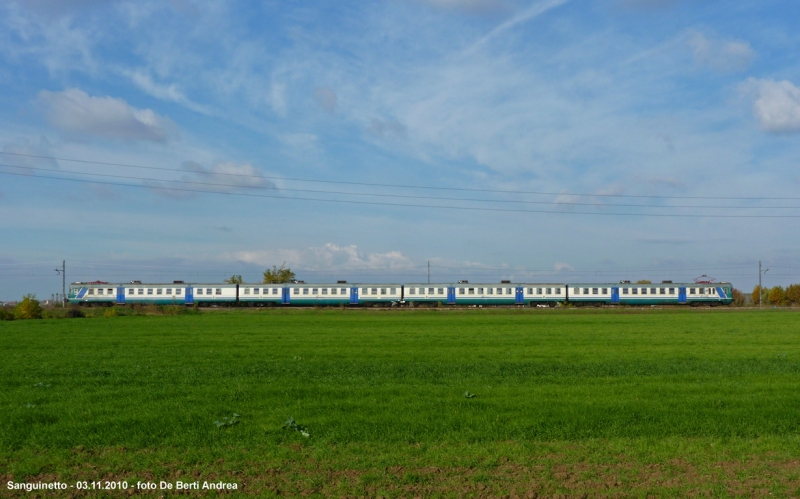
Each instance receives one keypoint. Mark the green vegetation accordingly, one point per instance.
(404, 403)
(28, 308)
(234, 279)
(278, 275)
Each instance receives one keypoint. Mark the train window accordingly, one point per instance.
(219, 291)
(530, 291)
(558, 291)
(652, 291)
(634, 291)
(489, 291)
(110, 291)
(605, 291)
(441, 291)
(199, 291)
(130, 292)
(247, 291)
(208, 291)
(324, 291)
(374, 291)
(480, 291)
(624, 291)
(91, 291)
(169, 291)
(662, 291)
(383, 291)
(274, 291)
(100, 291)
(305, 291)
(314, 291)
(461, 291)
(149, 291)
(342, 291)
(549, 291)
(411, 291)
(672, 291)
(471, 291)
(430, 291)
(159, 291)
(594, 291)
(691, 291)
(178, 291)
(644, 291)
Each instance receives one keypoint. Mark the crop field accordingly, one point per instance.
(427, 403)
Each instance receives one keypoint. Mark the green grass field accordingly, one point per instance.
(573, 402)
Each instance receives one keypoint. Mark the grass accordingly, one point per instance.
(636, 402)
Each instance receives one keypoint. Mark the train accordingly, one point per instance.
(460, 293)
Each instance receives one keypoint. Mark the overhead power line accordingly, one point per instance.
(401, 196)
(402, 205)
(402, 186)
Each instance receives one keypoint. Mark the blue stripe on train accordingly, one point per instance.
(82, 292)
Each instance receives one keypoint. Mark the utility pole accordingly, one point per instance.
(429, 271)
(760, 289)
(63, 272)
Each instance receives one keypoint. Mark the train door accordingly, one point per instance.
(681, 295)
(518, 299)
(189, 296)
(354, 295)
(614, 295)
(120, 296)
(451, 295)
(285, 296)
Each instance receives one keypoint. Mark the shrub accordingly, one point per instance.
(110, 312)
(793, 294)
(74, 313)
(776, 296)
(6, 315)
(28, 308)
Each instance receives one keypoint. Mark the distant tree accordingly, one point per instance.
(277, 274)
(643, 281)
(234, 279)
(776, 296)
(793, 294)
(28, 308)
(757, 299)
(738, 298)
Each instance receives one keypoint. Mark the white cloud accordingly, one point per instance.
(560, 266)
(721, 55)
(74, 112)
(776, 104)
(328, 256)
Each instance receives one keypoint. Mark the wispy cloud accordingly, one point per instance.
(532, 12)
(722, 55)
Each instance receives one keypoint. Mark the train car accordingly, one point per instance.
(665, 293)
(488, 294)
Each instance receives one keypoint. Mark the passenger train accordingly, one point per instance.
(464, 293)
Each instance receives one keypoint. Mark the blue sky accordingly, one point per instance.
(533, 127)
